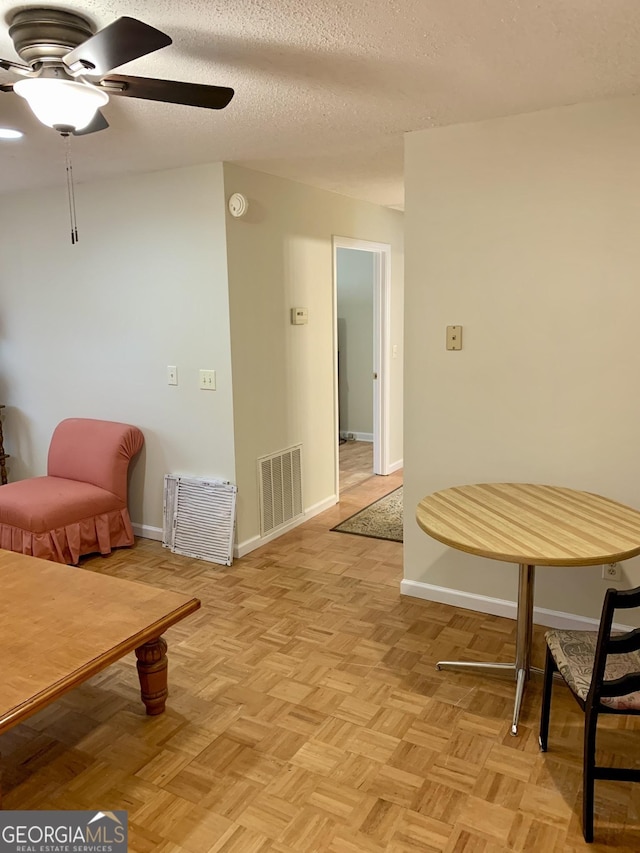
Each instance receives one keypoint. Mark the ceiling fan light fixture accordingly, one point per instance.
(61, 103)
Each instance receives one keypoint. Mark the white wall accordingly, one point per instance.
(280, 256)
(525, 231)
(88, 330)
(354, 273)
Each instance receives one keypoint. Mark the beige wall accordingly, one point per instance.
(525, 231)
(280, 256)
(355, 285)
(89, 330)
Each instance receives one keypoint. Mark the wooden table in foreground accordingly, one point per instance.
(531, 525)
(60, 625)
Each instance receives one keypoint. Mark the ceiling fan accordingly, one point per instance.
(61, 51)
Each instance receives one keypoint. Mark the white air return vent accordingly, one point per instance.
(199, 518)
(280, 478)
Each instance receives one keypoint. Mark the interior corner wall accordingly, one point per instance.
(280, 256)
(524, 230)
(89, 330)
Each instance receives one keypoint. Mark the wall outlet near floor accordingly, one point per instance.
(612, 572)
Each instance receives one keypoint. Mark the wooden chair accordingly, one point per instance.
(603, 673)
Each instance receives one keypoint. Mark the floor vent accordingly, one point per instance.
(199, 518)
(280, 478)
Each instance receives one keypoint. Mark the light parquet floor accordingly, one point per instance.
(305, 714)
(356, 463)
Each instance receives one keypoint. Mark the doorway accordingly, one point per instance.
(361, 333)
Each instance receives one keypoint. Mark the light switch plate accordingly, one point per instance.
(172, 374)
(207, 380)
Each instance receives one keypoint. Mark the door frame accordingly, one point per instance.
(381, 349)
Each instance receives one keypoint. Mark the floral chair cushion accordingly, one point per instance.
(574, 652)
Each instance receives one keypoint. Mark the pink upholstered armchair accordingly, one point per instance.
(80, 507)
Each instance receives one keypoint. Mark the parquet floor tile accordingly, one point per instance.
(356, 463)
(306, 714)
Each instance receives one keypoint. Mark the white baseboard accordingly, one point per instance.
(357, 436)
(500, 607)
(243, 548)
(396, 466)
(147, 532)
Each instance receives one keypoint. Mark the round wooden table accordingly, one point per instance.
(531, 525)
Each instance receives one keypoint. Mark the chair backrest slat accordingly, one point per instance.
(626, 598)
(621, 686)
(623, 643)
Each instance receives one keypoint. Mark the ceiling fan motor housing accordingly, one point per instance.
(46, 34)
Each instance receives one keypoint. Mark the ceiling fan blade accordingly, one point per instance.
(168, 91)
(123, 40)
(98, 122)
(6, 87)
(8, 65)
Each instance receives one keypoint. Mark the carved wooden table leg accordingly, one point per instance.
(152, 672)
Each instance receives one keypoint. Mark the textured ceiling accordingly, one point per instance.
(325, 90)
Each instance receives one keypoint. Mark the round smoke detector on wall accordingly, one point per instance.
(238, 204)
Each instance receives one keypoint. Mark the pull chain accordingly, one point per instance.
(71, 190)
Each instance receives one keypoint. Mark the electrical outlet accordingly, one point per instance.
(612, 572)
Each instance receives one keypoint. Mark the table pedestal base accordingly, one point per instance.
(524, 635)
